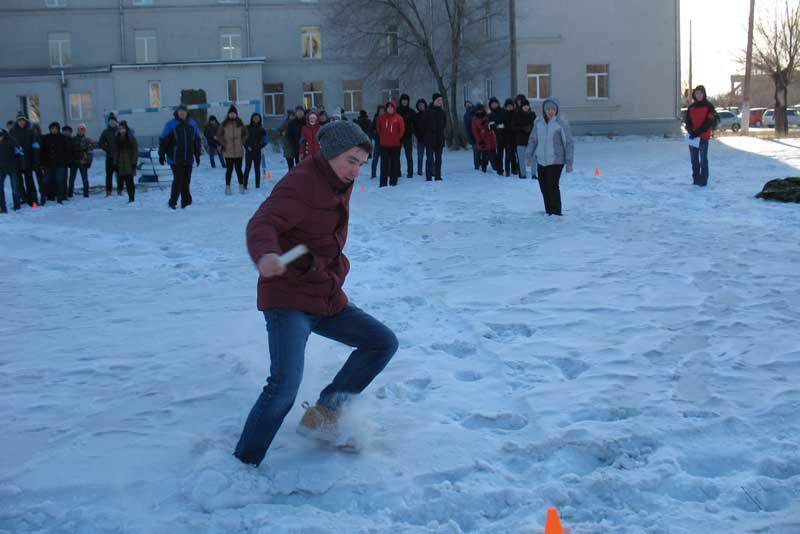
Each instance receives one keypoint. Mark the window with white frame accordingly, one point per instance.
(233, 90)
(393, 42)
(311, 43)
(312, 95)
(596, 82)
(538, 82)
(154, 92)
(55, 3)
(352, 96)
(60, 49)
(231, 43)
(80, 106)
(29, 104)
(146, 47)
(274, 99)
(390, 90)
(488, 87)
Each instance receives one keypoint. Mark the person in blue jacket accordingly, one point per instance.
(179, 144)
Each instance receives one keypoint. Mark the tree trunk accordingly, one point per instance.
(781, 97)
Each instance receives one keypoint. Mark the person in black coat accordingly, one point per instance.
(497, 124)
(10, 156)
(521, 126)
(256, 141)
(107, 142)
(210, 133)
(507, 139)
(26, 139)
(405, 111)
(55, 156)
(419, 132)
(435, 124)
(376, 141)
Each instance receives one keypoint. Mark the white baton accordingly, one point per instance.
(295, 253)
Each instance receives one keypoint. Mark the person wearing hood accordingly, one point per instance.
(521, 126)
(485, 139)
(552, 144)
(311, 206)
(10, 161)
(214, 150)
(376, 141)
(289, 149)
(391, 128)
(256, 141)
(180, 145)
(699, 122)
(29, 144)
(55, 158)
(293, 130)
(106, 143)
(82, 150)
(309, 144)
(126, 156)
(232, 136)
(496, 122)
(508, 139)
(435, 124)
(419, 132)
(469, 113)
(407, 142)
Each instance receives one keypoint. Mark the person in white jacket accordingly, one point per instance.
(552, 143)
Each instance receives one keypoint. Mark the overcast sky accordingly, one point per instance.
(719, 29)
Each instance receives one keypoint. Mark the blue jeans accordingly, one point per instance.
(57, 182)
(376, 156)
(214, 151)
(15, 189)
(288, 332)
(700, 163)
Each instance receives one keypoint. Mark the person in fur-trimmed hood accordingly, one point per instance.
(232, 135)
(552, 143)
(309, 145)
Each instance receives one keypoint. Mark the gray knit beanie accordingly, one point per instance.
(337, 137)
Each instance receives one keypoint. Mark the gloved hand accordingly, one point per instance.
(692, 134)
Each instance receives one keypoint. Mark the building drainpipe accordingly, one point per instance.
(679, 92)
(512, 31)
(63, 83)
(247, 25)
(123, 56)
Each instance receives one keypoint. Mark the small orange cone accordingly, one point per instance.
(35, 205)
(553, 524)
(597, 171)
(269, 175)
(362, 188)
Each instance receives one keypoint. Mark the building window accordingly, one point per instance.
(538, 81)
(231, 43)
(55, 3)
(154, 90)
(60, 49)
(352, 96)
(312, 43)
(233, 90)
(393, 42)
(80, 106)
(146, 48)
(596, 81)
(29, 105)
(312, 95)
(274, 99)
(488, 87)
(390, 90)
(143, 2)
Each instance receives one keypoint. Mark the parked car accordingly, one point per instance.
(756, 117)
(729, 121)
(792, 117)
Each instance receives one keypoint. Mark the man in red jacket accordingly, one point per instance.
(391, 128)
(311, 206)
(700, 118)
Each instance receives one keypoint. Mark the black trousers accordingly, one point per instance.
(73, 173)
(230, 165)
(510, 160)
(181, 179)
(130, 186)
(390, 165)
(484, 157)
(252, 159)
(290, 163)
(549, 177)
(408, 148)
(28, 191)
(433, 162)
(110, 169)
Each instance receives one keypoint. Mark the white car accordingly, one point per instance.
(729, 121)
(792, 117)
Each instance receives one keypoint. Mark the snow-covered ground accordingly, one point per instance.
(635, 363)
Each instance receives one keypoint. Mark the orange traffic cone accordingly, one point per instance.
(269, 175)
(35, 205)
(553, 524)
(597, 171)
(362, 188)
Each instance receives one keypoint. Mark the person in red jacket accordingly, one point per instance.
(311, 206)
(391, 128)
(485, 140)
(309, 144)
(700, 119)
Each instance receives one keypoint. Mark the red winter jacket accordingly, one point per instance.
(309, 206)
(484, 136)
(391, 127)
(309, 145)
(701, 115)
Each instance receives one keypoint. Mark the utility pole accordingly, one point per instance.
(512, 31)
(691, 87)
(748, 69)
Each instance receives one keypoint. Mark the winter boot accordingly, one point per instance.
(227, 189)
(318, 422)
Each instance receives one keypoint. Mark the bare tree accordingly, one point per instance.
(777, 53)
(439, 40)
